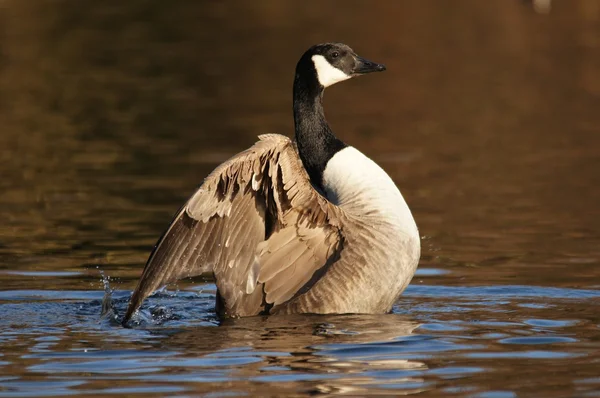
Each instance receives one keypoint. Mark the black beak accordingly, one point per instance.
(363, 66)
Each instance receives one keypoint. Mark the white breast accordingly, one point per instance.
(356, 183)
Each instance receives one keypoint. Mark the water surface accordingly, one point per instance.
(487, 119)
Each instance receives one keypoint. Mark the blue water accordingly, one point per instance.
(438, 338)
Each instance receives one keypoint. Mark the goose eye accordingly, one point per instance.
(335, 54)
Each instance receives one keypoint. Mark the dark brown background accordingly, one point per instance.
(488, 119)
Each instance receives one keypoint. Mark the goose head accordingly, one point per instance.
(319, 67)
(330, 63)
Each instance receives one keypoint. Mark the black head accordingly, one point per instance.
(335, 62)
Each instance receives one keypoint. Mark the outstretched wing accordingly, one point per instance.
(257, 223)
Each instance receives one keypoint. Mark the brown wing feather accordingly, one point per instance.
(257, 223)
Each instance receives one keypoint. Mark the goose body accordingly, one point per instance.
(304, 226)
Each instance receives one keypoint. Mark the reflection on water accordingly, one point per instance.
(443, 340)
(487, 119)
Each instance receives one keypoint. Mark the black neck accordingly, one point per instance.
(316, 142)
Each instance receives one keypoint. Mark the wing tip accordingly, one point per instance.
(134, 304)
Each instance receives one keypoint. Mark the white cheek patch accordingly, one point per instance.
(327, 73)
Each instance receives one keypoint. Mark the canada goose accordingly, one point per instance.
(311, 226)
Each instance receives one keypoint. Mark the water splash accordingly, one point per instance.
(156, 314)
(108, 313)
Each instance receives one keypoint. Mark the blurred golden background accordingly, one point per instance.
(487, 118)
